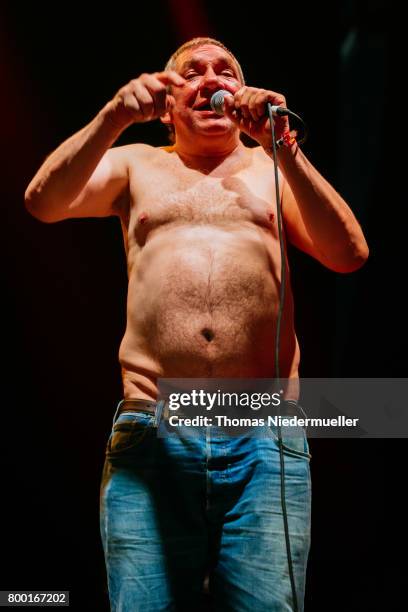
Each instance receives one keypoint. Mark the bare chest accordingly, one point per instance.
(163, 195)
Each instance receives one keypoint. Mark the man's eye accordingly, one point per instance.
(228, 73)
(190, 74)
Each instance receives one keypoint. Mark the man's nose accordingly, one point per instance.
(210, 81)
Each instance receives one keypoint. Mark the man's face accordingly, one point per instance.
(206, 69)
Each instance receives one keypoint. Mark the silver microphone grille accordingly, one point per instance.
(217, 101)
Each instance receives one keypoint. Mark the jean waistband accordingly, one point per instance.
(155, 408)
(160, 409)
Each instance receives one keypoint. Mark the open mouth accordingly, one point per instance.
(205, 109)
(204, 106)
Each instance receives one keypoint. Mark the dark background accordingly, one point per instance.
(64, 285)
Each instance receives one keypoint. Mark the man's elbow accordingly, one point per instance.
(38, 209)
(354, 262)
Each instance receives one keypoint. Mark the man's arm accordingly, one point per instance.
(83, 177)
(317, 219)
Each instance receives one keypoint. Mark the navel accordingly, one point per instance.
(207, 333)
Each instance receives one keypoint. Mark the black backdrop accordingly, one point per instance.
(64, 285)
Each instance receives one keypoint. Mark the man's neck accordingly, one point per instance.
(208, 158)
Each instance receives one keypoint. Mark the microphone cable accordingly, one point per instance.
(282, 111)
(217, 102)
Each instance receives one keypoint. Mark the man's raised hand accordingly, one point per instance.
(143, 99)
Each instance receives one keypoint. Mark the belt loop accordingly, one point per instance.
(159, 411)
(117, 411)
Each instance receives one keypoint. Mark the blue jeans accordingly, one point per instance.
(201, 503)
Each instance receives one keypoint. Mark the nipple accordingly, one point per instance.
(142, 217)
(271, 215)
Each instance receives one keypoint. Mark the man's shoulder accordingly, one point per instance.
(135, 149)
(260, 154)
(138, 152)
(263, 160)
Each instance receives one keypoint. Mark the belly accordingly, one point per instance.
(204, 302)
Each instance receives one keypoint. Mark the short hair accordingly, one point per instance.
(197, 42)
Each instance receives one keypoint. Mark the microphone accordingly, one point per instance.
(217, 104)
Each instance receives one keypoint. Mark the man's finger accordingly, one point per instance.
(229, 106)
(170, 77)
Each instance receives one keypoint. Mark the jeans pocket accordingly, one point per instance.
(129, 431)
(294, 441)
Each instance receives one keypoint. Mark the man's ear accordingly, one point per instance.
(167, 118)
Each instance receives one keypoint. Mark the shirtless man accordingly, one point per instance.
(200, 231)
